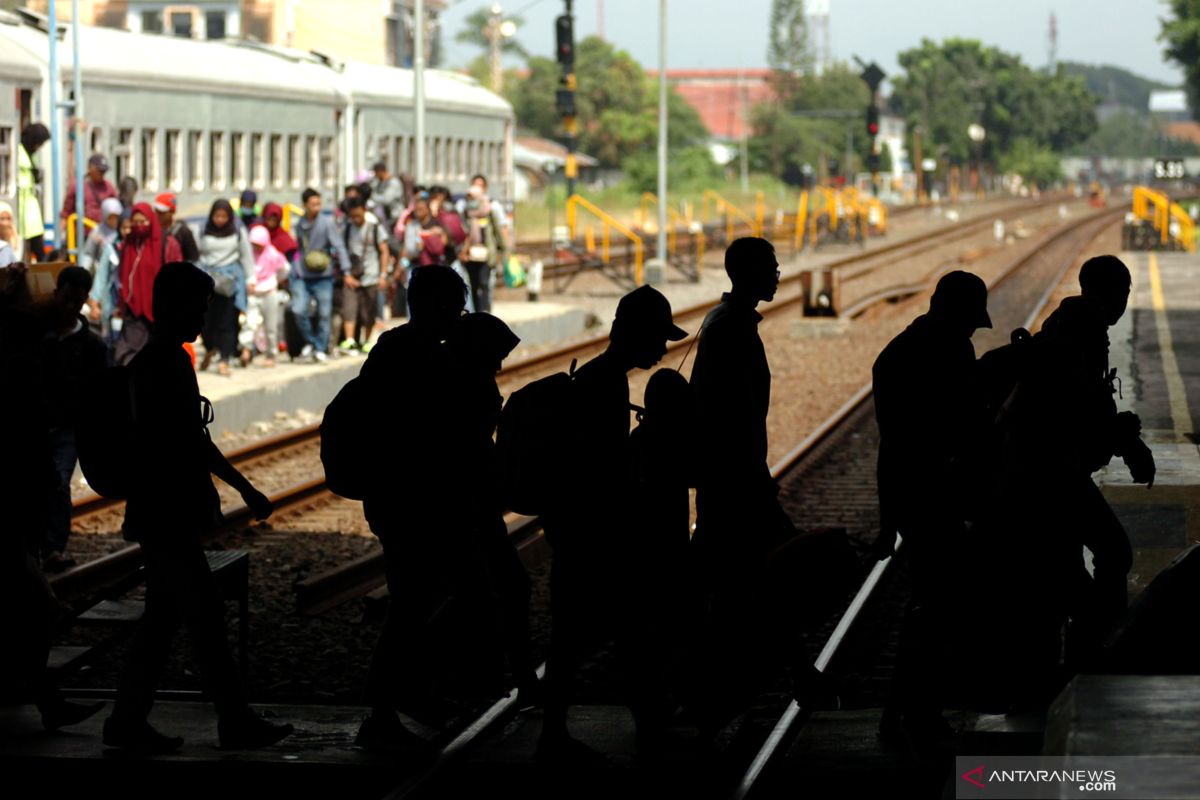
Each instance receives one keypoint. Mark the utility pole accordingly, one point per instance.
(419, 87)
(76, 106)
(564, 34)
(496, 31)
(55, 133)
(662, 130)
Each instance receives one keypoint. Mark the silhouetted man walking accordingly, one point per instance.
(172, 502)
(930, 414)
(586, 584)
(1060, 425)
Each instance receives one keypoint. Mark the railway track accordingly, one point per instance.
(320, 592)
(1013, 303)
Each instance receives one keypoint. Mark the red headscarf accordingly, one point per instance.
(142, 256)
(280, 238)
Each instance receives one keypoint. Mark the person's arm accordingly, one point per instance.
(412, 241)
(385, 254)
(68, 206)
(339, 247)
(247, 258)
(258, 502)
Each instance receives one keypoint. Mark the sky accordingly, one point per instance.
(733, 33)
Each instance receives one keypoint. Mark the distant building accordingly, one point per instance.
(539, 162)
(724, 98)
(1170, 105)
(374, 31)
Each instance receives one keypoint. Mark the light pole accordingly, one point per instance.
(662, 131)
(976, 133)
(419, 88)
(496, 31)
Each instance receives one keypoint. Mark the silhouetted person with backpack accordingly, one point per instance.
(477, 347)
(27, 482)
(931, 420)
(582, 523)
(417, 518)
(72, 358)
(1058, 425)
(171, 503)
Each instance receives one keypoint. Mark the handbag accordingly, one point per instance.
(314, 260)
(477, 253)
(224, 281)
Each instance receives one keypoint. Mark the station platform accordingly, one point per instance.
(1156, 350)
(257, 395)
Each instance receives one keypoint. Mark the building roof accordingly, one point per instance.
(536, 153)
(1188, 131)
(724, 98)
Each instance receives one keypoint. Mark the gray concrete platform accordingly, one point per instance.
(257, 394)
(1156, 350)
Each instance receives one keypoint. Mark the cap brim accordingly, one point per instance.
(984, 321)
(676, 333)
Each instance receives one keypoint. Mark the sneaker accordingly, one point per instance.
(366, 348)
(319, 357)
(61, 714)
(348, 347)
(139, 736)
(306, 351)
(250, 731)
(387, 732)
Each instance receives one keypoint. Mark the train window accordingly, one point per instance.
(258, 164)
(395, 165)
(407, 161)
(196, 159)
(123, 153)
(463, 169)
(295, 160)
(95, 140)
(473, 149)
(174, 175)
(152, 21)
(241, 176)
(6, 160)
(327, 162)
(149, 154)
(277, 160)
(314, 162)
(216, 161)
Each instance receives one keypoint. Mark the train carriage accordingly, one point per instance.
(208, 119)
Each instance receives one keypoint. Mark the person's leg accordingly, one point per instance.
(368, 307)
(302, 292)
(269, 304)
(323, 290)
(228, 331)
(349, 300)
(62, 450)
(35, 246)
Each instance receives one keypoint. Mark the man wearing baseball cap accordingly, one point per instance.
(96, 189)
(931, 415)
(587, 589)
(165, 205)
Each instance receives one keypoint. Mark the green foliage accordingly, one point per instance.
(1182, 36)
(1114, 83)
(949, 86)
(688, 167)
(474, 25)
(810, 121)
(1131, 134)
(788, 50)
(1034, 162)
(617, 104)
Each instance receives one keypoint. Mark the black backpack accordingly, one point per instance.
(102, 434)
(530, 442)
(346, 454)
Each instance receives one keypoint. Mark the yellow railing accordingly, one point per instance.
(677, 221)
(608, 223)
(87, 226)
(823, 200)
(801, 217)
(1156, 208)
(730, 210)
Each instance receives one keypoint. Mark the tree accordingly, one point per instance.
(947, 87)
(617, 104)
(473, 33)
(789, 50)
(1131, 134)
(1182, 36)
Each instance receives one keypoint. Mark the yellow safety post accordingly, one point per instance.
(649, 198)
(87, 226)
(801, 217)
(609, 222)
(758, 213)
(1187, 227)
(290, 210)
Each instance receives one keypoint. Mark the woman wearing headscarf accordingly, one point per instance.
(142, 256)
(9, 241)
(101, 257)
(225, 255)
(281, 240)
(30, 226)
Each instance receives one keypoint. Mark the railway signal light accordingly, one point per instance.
(564, 35)
(872, 120)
